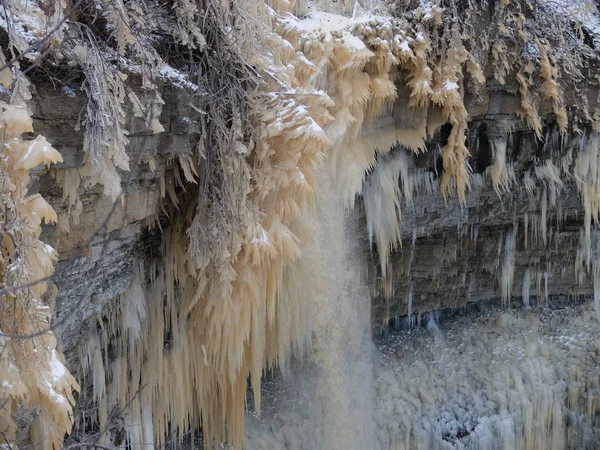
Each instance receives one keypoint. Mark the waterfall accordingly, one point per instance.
(344, 380)
(328, 398)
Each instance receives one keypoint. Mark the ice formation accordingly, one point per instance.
(301, 115)
(32, 370)
(503, 379)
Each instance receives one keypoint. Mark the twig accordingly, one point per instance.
(39, 42)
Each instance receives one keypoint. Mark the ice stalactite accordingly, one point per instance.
(387, 188)
(526, 288)
(413, 254)
(587, 177)
(596, 281)
(356, 70)
(507, 270)
(334, 398)
(238, 311)
(551, 88)
(32, 368)
(501, 173)
(389, 185)
(248, 309)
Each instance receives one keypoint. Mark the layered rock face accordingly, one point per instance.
(451, 254)
(529, 236)
(100, 249)
(458, 251)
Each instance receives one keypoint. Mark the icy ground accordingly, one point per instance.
(499, 379)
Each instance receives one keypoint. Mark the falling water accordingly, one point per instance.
(343, 341)
(330, 396)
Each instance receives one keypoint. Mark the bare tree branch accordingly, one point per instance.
(41, 41)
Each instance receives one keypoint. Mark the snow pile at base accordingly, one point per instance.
(354, 9)
(505, 380)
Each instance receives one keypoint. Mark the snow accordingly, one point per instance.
(310, 128)
(321, 21)
(262, 238)
(39, 144)
(324, 21)
(428, 14)
(57, 372)
(57, 369)
(26, 23)
(465, 383)
(450, 86)
(177, 78)
(69, 92)
(405, 46)
(15, 265)
(581, 11)
(353, 43)
(55, 396)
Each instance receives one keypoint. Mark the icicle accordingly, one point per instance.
(596, 275)
(499, 169)
(241, 309)
(508, 267)
(410, 302)
(383, 202)
(526, 231)
(587, 176)
(526, 287)
(546, 287)
(32, 370)
(544, 217)
(475, 233)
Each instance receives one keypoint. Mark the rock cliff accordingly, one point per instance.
(192, 141)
